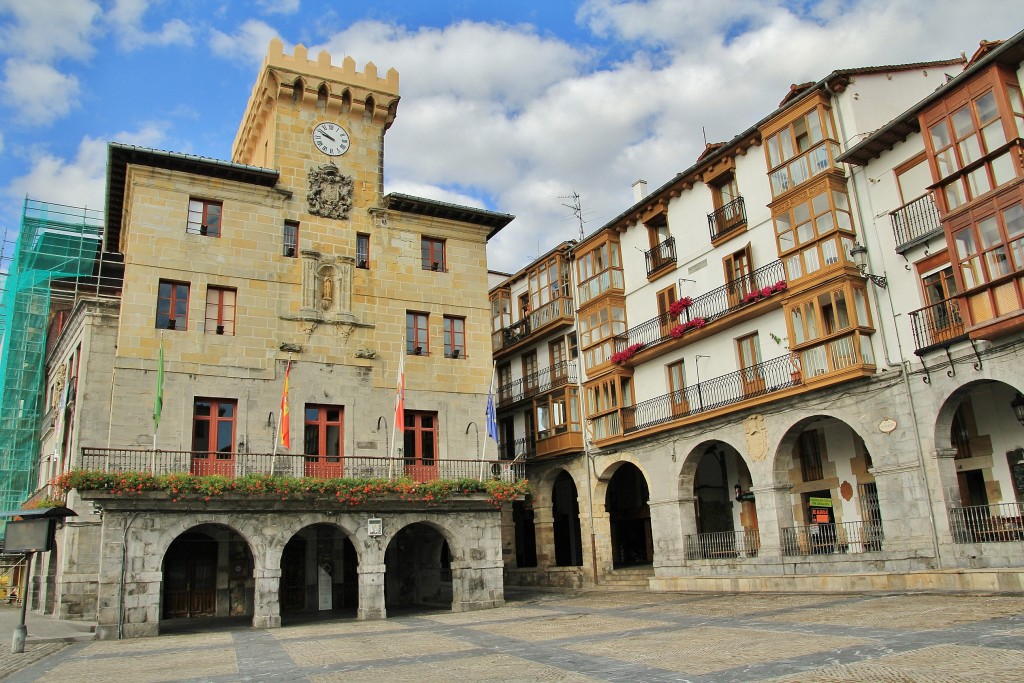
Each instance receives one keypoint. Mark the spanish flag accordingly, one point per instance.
(286, 432)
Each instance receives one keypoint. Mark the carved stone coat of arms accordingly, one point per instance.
(330, 192)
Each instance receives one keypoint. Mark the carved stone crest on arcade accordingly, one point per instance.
(330, 192)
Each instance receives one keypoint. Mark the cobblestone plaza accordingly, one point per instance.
(610, 636)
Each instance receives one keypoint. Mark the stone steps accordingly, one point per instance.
(627, 579)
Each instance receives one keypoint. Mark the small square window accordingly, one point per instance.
(432, 254)
(290, 239)
(204, 217)
(172, 305)
(362, 250)
(220, 310)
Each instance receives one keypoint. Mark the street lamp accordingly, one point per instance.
(1018, 407)
(860, 257)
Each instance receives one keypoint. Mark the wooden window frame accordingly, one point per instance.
(321, 422)
(809, 453)
(813, 302)
(290, 239)
(665, 298)
(675, 373)
(223, 320)
(970, 223)
(795, 258)
(168, 291)
(433, 254)
(737, 287)
(199, 221)
(362, 250)
(783, 130)
(599, 270)
(454, 337)
(415, 431)
(214, 421)
(417, 333)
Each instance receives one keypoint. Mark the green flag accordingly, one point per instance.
(158, 407)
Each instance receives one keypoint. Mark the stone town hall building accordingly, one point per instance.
(287, 252)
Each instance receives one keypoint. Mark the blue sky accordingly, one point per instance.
(505, 105)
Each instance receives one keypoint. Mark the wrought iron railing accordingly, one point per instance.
(915, 220)
(549, 378)
(722, 545)
(999, 523)
(757, 380)
(294, 465)
(556, 309)
(728, 218)
(661, 255)
(518, 448)
(711, 306)
(829, 539)
(937, 324)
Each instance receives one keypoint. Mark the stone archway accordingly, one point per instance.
(207, 572)
(629, 517)
(565, 513)
(418, 569)
(715, 477)
(319, 573)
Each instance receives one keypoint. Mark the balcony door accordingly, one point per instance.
(420, 445)
(677, 389)
(213, 436)
(749, 350)
(322, 441)
(939, 288)
(739, 276)
(666, 298)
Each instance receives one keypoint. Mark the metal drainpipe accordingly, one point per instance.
(903, 365)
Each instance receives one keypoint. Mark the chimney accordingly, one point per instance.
(639, 190)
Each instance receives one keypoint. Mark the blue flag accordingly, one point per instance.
(492, 418)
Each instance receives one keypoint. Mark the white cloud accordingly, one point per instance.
(80, 181)
(248, 45)
(126, 18)
(278, 6)
(43, 31)
(39, 93)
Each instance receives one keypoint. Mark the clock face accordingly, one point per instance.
(331, 139)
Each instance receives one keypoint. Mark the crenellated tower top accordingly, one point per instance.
(337, 92)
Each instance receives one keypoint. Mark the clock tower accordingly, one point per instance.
(310, 120)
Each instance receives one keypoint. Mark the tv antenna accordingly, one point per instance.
(577, 209)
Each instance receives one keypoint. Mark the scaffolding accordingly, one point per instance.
(55, 259)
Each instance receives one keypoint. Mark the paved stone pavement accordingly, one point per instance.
(593, 636)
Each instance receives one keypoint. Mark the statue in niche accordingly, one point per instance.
(330, 192)
(327, 290)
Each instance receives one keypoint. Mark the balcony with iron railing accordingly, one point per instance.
(660, 257)
(753, 293)
(999, 523)
(550, 317)
(536, 383)
(937, 325)
(734, 389)
(727, 219)
(521, 449)
(830, 539)
(915, 222)
(232, 465)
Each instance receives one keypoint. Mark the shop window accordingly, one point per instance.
(220, 310)
(204, 217)
(172, 305)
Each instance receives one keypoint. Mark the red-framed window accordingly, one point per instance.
(421, 436)
(220, 310)
(204, 217)
(172, 305)
(454, 337)
(362, 250)
(417, 339)
(213, 426)
(290, 239)
(324, 435)
(432, 254)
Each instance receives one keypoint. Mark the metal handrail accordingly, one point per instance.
(721, 545)
(710, 306)
(556, 309)
(772, 375)
(998, 523)
(233, 465)
(828, 539)
(727, 218)
(535, 383)
(915, 220)
(659, 256)
(937, 324)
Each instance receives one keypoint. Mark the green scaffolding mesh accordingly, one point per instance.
(55, 243)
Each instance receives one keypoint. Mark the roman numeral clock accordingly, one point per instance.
(331, 139)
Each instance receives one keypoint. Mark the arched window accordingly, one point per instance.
(321, 97)
(297, 89)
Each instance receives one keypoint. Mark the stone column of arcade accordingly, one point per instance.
(267, 600)
(371, 592)
(774, 512)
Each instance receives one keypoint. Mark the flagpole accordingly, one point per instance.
(399, 404)
(158, 404)
(490, 408)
